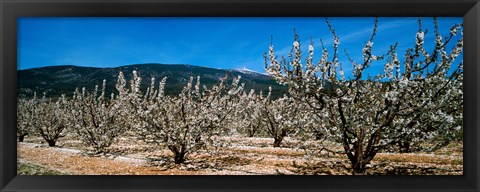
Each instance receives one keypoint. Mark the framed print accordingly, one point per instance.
(239, 95)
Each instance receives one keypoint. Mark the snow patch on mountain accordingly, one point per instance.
(244, 70)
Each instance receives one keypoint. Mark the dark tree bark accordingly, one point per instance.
(359, 169)
(279, 138)
(179, 158)
(21, 137)
(277, 141)
(179, 153)
(51, 143)
(250, 133)
(359, 162)
(404, 147)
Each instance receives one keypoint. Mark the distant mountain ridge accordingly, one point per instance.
(57, 80)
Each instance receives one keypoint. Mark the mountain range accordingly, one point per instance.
(57, 80)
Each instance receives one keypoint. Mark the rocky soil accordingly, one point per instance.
(243, 156)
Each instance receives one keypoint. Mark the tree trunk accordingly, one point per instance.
(359, 168)
(179, 158)
(251, 133)
(178, 153)
(359, 162)
(404, 147)
(51, 143)
(277, 141)
(20, 138)
(359, 159)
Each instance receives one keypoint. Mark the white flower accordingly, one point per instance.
(296, 44)
(336, 41)
(403, 83)
(370, 44)
(420, 35)
(449, 119)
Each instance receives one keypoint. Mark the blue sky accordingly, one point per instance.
(222, 42)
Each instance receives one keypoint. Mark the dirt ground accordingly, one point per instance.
(244, 156)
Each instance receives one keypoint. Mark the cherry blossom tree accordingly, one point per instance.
(283, 117)
(25, 117)
(188, 122)
(96, 120)
(49, 119)
(249, 114)
(278, 118)
(410, 101)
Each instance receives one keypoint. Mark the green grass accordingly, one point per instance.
(31, 169)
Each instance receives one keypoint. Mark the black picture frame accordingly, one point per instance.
(10, 10)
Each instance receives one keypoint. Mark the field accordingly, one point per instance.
(242, 156)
